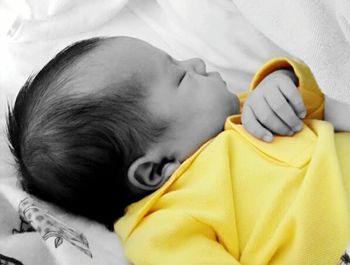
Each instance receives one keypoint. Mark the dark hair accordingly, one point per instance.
(75, 149)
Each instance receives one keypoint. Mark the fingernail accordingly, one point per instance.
(297, 128)
(302, 115)
(267, 138)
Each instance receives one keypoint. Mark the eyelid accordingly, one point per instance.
(182, 77)
(183, 74)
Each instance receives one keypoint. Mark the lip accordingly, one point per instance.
(224, 82)
(218, 76)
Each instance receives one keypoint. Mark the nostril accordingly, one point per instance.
(216, 75)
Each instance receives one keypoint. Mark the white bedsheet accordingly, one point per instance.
(316, 31)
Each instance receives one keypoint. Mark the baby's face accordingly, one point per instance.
(194, 102)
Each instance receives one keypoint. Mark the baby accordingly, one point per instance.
(109, 121)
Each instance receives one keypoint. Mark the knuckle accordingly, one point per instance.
(290, 89)
(291, 122)
(279, 107)
(264, 117)
(265, 120)
(298, 101)
(289, 118)
(277, 127)
(294, 93)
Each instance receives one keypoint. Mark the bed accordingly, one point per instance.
(233, 37)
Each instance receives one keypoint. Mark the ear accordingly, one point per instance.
(147, 175)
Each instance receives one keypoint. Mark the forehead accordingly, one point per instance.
(125, 51)
(128, 57)
(121, 59)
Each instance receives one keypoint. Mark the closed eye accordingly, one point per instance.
(182, 77)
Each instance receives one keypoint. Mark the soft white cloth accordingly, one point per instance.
(316, 31)
(34, 20)
(61, 238)
(212, 30)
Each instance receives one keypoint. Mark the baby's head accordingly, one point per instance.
(107, 121)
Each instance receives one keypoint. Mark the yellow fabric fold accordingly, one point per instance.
(239, 200)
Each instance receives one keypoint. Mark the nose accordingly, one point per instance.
(197, 65)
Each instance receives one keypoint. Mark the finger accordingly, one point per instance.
(269, 119)
(283, 110)
(251, 124)
(293, 95)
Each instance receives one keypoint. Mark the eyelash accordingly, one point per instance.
(182, 77)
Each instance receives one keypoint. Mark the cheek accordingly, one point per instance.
(215, 102)
(208, 100)
(210, 112)
(218, 108)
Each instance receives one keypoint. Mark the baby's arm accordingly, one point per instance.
(338, 113)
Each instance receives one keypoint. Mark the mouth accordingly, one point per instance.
(218, 76)
(224, 82)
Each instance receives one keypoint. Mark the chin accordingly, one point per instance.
(234, 105)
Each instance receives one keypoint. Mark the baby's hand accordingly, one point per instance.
(274, 107)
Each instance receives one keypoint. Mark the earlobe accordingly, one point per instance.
(145, 175)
